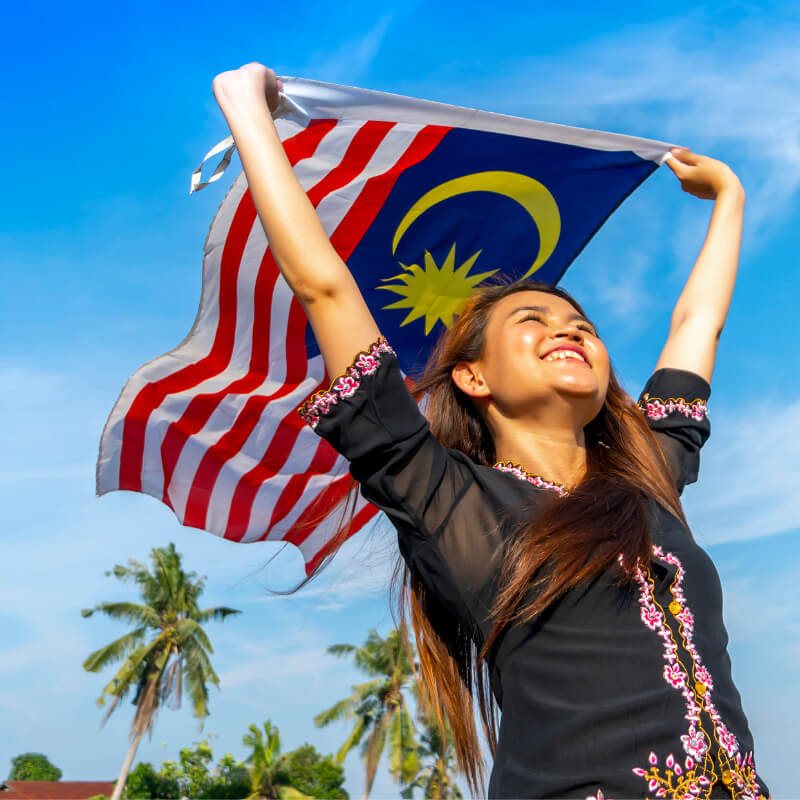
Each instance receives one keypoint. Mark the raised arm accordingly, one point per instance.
(700, 312)
(321, 281)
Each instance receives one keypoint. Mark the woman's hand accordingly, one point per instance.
(702, 176)
(250, 86)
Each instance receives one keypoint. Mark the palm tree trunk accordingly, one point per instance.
(126, 766)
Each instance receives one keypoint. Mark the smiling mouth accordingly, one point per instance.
(565, 355)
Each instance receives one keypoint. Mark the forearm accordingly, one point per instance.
(297, 240)
(343, 324)
(706, 297)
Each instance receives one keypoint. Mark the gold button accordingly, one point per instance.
(675, 607)
(727, 777)
(700, 688)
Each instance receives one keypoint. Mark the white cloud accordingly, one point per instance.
(349, 62)
(749, 484)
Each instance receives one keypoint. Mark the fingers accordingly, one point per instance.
(686, 156)
(678, 167)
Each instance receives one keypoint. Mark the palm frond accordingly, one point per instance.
(217, 613)
(352, 740)
(404, 750)
(114, 651)
(341, 710)
(373, 748)
(341, 649)
(187, 629)
(198, 673)
(131, 612)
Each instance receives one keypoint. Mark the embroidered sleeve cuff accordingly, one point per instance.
(675, 392)
(346, 384)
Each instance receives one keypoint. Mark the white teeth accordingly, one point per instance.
(562, 354)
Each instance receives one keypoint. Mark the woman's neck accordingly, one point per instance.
(557, 454)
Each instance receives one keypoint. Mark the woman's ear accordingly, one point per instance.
(468, 377)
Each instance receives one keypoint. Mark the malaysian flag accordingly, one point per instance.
(423, 201)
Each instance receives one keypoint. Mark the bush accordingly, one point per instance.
(315, 775)
(33, 767)
(144, 782)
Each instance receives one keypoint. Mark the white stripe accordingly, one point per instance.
(309, 173)
(327, 100)
(314, 486)
(331, 211)
(325, 531)
(195, 346)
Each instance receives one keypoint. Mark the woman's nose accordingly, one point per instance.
(568, 332)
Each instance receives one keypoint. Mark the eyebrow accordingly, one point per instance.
(546, 310)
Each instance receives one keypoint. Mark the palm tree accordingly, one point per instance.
(378, 708)
(166, 649)
(266, 761)
(436, 776)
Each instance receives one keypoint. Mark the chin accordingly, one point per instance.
(580, 388)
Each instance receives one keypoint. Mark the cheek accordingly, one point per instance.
(603, 365)
(510, 356)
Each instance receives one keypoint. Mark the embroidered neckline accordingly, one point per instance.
(537, 480)
(346, 384)
(655, 408)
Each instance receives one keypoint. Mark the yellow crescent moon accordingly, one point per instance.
(533, 196)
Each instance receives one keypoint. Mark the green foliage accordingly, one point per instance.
(33, 767)
(315, 775)
(191, 776)
(145, 782)
(267, 777)
(437, 755)
(378, 710)
(195, 769)
(231, 780)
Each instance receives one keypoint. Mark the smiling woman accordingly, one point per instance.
(549, 569)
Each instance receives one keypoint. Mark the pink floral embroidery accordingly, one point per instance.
(598, 796)
(686, 623)
(344, 385)
(679, 780)
(537, 480)
(696, 774)
(656, 408)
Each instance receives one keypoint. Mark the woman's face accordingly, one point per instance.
(538, 346)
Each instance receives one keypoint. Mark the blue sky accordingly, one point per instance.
(109, 109)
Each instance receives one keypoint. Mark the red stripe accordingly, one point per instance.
(326, 500)
(152, 395)
(323, 461)
(350, 232)
(357, 156)
(202, 406)
(359, 520)
(344, 239)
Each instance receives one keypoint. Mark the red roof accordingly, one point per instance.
(54, 790)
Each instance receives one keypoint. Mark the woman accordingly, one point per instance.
(548, 559)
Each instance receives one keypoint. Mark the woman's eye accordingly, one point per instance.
(588, 329)
(533, 317)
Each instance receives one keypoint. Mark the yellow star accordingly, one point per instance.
(436, 294)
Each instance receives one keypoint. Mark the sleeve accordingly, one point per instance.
(447, 524)
(675, 403)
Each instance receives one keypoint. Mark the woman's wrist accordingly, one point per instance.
(731, 193)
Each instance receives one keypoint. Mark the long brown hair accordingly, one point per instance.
(573, 539)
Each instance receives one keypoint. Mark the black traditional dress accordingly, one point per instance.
(611, 692)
